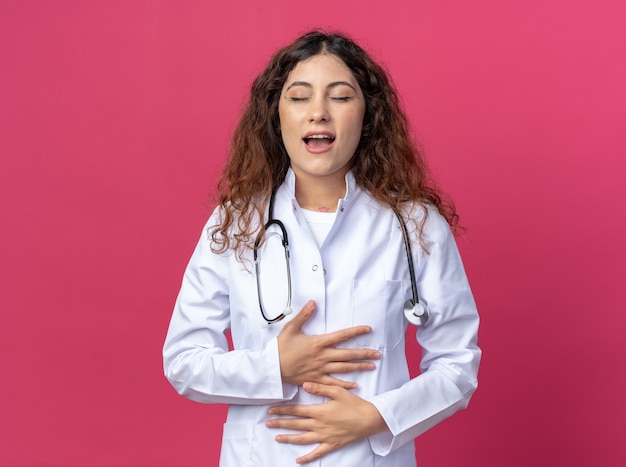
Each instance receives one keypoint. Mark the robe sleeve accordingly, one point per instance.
(196, 356)
(450, 355)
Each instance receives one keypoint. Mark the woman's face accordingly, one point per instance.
(321, 112)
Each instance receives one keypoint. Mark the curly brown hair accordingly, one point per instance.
(387, 163)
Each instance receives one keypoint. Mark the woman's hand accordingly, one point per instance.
(314, 358)
(345, 418)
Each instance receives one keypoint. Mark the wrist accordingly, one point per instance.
(376, 422)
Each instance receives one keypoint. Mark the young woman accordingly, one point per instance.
(326, 208)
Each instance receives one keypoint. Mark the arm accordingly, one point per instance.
(449, 366)
(200, 366)
(196, 357)
(450, 355)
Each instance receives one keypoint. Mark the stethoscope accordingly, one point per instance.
(416, 313)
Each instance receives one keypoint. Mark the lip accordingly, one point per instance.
(320, 150)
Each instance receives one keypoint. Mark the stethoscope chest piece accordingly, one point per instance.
(416, 313)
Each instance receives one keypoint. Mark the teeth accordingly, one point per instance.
(308, 138)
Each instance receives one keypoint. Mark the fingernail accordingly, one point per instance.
(377, 355)
(306, 386)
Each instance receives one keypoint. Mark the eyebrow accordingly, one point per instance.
(330, 85)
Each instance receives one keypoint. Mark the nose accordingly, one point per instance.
(318, 111)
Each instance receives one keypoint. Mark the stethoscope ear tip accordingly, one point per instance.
(287, 311)
(265, 325)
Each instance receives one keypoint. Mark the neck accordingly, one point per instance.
(322, 197)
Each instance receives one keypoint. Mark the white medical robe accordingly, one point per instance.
(359, 275)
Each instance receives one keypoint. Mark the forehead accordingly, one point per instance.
(321, 68)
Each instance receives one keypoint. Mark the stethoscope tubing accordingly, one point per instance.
(415, 312)
(257, 268)
(409, 255)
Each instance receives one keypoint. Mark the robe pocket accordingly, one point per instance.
(379, 304)
(237, 444)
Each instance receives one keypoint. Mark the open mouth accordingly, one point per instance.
(318, 140)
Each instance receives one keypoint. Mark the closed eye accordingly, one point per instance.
(342, 99)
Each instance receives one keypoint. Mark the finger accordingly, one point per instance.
(351, 355)
(300, 438)
(347, 367)
(294, 410)
(333, 392)
(343, 335)
(301, 317)
(332, 381)
(297, 424)
(315, 454)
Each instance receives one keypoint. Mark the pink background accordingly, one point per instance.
(115, 117)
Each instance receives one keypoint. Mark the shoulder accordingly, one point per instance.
(436, 226)
(427, 224)
(213, 222)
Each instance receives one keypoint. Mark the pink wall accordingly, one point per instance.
(114, 120)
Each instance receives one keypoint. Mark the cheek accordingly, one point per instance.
(356, 128)
(356, 120)
(287, 134)
(286, 123)
(281, 119)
